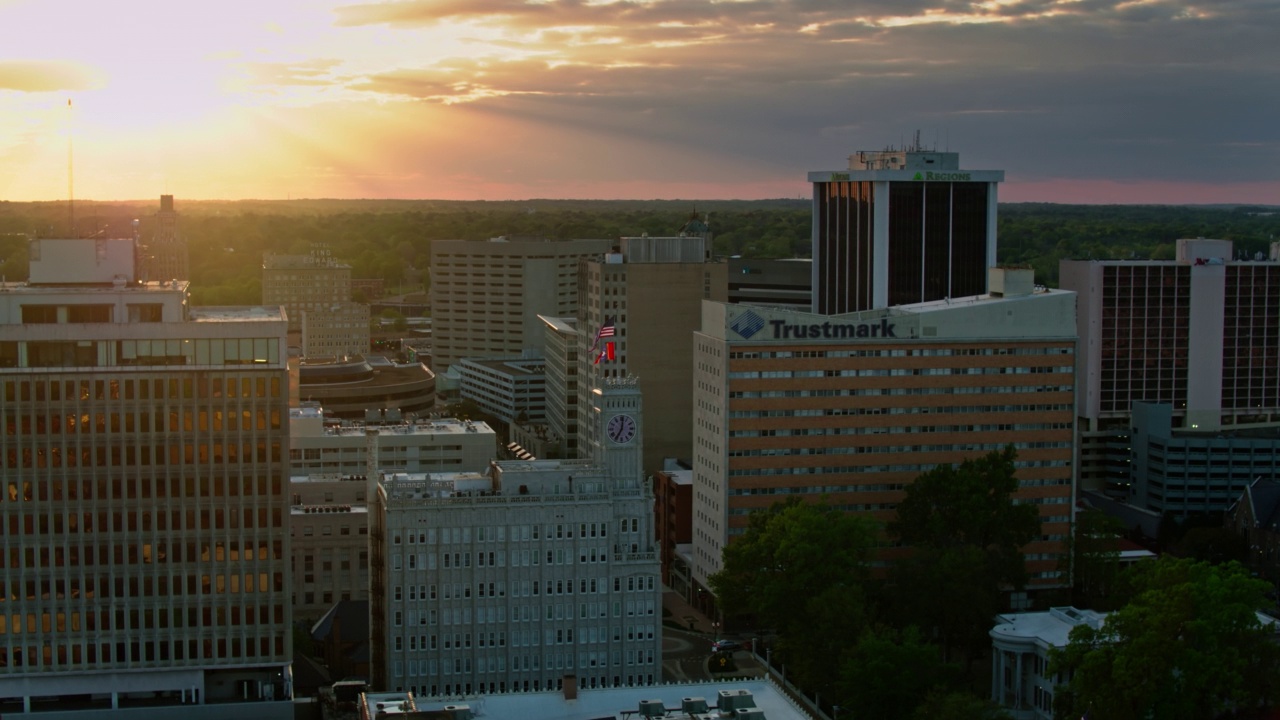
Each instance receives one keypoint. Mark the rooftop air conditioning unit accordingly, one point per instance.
(693, 705)
(652, 708)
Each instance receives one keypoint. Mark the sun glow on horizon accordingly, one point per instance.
(608, 98)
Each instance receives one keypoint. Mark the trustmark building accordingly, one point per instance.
(899, 227)
(854, 407)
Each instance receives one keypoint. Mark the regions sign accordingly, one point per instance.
(942, 176)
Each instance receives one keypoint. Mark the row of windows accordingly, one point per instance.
(524, 588)
(519, 533)
(41, 426)
(119, 555)
(894, 429)
(940, 409)
(142, 455)
(907, 467)
(33, 314)
(525, 685)
(14, 524)
(123, 353)
(859, 450)
(239, 485)
(195, 385)
(899, 372)
(61, 654)
(520, 638)
(428, 561)
(384, 449)
(140, 619)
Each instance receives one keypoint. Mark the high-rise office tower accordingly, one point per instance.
(145, 449)
(853, 408)
(1199, 333)
(900, 227)
(486, 296)
(560, 350)
(649, 295)
(165, 256)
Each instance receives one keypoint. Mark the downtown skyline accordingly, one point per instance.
(1085, 101)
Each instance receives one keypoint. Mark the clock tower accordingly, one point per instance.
(619, 439)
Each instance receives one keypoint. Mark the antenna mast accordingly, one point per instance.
(71, 188)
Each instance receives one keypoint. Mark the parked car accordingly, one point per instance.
(725, 646)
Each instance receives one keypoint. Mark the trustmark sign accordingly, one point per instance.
(750, 324)
(783, 330)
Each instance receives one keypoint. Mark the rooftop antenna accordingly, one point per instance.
(71, 189)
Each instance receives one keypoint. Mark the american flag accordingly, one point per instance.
(606, 330)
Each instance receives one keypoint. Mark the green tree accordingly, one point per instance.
(801, 568)
(966, 535)
(1188, 645)
(893, 672)
(1091, 566)
(397, 319)
(957, 705)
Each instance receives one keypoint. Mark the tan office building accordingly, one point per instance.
(299, 283)
(653, 291)
(335, 331)
(854, 407)
(329, 525)
(486, 296)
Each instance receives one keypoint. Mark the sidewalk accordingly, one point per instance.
(685, 615)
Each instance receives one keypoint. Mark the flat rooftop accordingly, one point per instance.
(624, 703)
(259, 313)
(169, 286)
(559, 324)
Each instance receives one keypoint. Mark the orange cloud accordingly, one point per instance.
(47, 76)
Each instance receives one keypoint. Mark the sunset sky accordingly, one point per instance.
(1096, 101)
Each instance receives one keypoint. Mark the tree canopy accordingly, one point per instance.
(1092, 564)
(1188, 645)
(966, 535)
(801, 568)
(389, 239)
(893, 672)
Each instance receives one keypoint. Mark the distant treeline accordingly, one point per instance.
(391, 239)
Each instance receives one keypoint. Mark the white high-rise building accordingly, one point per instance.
(145, 449)
(515, 578)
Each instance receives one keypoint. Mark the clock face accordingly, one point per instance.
(621, 428)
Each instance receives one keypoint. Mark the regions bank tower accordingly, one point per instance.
(900, 227)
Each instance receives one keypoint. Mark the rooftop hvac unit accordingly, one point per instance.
(652, 708)
(731, 700)
(459, 712)
(752, 713)
(693, 705)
